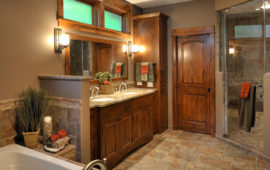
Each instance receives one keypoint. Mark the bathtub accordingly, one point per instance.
(16, 157)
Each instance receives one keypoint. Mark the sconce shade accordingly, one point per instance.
(231, 50)
(64, 40)
(133, 49)
(60, 40)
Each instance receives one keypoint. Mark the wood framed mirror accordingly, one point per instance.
(89, 55)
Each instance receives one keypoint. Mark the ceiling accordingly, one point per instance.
(155, 3)
(253, 6)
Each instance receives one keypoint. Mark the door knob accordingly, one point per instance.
(209, 89)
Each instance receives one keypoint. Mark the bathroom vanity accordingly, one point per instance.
(121, 123)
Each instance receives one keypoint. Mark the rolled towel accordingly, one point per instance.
(61, 142)
(62, 133)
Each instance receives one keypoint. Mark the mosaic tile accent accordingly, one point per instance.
(186, 150)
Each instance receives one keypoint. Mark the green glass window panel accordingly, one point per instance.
(248, 31)
(113, 21)
(77, 11)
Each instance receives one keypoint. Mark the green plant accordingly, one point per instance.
(33, 105)
(106, 76)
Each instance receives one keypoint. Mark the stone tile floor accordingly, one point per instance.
(253, 139)
(173, 150)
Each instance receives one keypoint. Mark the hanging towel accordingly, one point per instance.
(144, 71)
(124, 70)
(247, 110)
(113, 70)
(151, 73)
(138, 72)
(245, 90)
(118, 70)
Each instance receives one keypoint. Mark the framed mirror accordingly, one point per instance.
(88, 56)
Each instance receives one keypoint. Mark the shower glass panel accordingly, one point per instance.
(243, 61)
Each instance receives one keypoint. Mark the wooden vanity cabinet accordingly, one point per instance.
(124, 127)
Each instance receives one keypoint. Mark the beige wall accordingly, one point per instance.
(185, 15)
(25, 31)
(224, 4)
(26, 27)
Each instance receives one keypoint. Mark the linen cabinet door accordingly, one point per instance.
(125, 132)
(109, 140)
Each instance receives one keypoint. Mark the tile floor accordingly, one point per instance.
(185, 150)
(253, 139)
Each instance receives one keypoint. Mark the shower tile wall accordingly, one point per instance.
(247, 64)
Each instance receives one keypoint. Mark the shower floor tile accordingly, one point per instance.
(253, 139)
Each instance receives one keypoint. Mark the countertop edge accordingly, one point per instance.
(123, 100)
(64, 77)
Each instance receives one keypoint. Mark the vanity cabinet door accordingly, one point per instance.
(148, 126)
(138, 125)
(125, 133)
(109, 140)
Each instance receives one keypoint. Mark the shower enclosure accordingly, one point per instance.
(245, 36)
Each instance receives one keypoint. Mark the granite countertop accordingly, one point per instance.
(121, 97)
(65, 77)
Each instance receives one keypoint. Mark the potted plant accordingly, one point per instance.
(33, 105)
(104, 80)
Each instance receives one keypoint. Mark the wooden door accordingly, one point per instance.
(125, 133)
(194, 69)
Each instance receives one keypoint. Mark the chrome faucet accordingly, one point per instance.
(124, 84)
(94, 92)
(96, 163)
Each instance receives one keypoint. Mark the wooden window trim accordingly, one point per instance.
(98, 22)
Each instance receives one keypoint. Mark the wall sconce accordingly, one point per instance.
(133, 49)
(61, 41)
(231, 51)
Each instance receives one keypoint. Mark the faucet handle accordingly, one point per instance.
(105, 160)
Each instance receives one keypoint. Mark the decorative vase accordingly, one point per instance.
(106, 89)
(31, 139)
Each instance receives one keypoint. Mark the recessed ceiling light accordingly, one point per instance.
(257, 9)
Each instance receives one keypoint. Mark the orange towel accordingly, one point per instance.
(245, 90)
(62, 133)
(118, 69)
(144, 69)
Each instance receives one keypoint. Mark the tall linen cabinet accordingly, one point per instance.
(150, 30)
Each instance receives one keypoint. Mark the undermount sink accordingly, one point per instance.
(103, 99)
(130, 92)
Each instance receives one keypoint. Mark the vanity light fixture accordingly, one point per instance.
(61, 41)
(133, 49)
(231, 51)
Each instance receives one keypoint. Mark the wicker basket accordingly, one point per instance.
(106, 89)
(31, 139)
